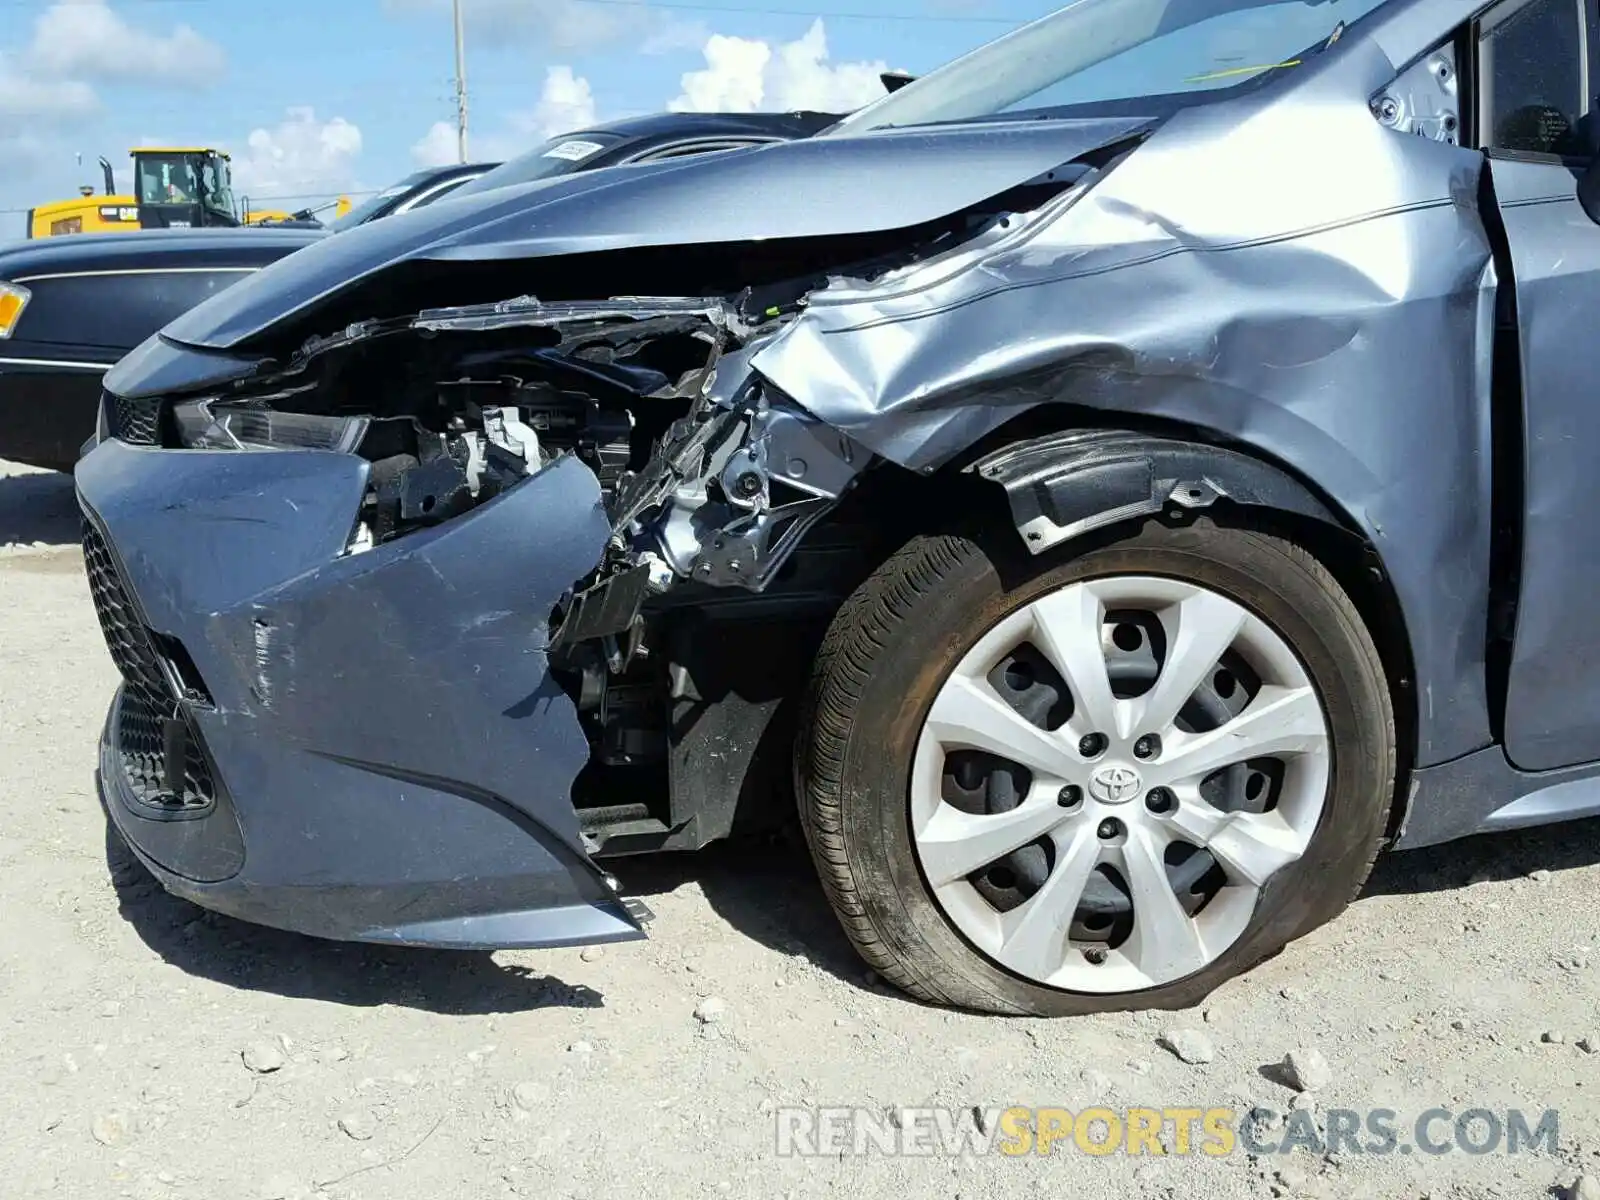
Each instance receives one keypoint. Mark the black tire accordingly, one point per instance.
(894, 643)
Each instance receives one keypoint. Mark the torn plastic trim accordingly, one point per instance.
(732, 491)
(745, 487)
(1005, 232)
(529, 312)
(1066, 485)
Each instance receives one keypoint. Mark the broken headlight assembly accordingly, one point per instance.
(223, 425)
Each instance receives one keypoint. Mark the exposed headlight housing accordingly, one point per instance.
(234, 425)
(13, 299)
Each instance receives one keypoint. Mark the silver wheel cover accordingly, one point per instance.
(1073, 800)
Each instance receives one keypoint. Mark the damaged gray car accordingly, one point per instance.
(1125, 479)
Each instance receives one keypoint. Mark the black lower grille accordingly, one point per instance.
(136, 421)
(153, 727)
(142, 743)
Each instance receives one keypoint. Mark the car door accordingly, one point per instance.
(1535, 70)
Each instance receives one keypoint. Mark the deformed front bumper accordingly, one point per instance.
(357, 746)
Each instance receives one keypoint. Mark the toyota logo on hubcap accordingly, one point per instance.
(1115, 785)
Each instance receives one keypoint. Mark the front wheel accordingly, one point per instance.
(1114, 781)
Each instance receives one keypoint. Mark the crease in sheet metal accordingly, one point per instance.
(1281, 309)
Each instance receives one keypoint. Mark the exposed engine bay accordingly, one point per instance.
(710, 475)
(709, 479)
(706, 475)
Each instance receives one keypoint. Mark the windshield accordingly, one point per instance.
(374, 206)
(1101, 50)
(558, 156)
(165, 180)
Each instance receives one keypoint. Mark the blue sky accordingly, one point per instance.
(313, 96)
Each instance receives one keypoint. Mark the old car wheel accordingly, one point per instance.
(1109, 781)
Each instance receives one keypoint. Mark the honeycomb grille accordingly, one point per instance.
(148, 701)
(136, 421)
(142, 746)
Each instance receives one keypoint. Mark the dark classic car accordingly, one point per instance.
(71, 307)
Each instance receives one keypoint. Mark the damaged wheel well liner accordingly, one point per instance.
(1067, 486)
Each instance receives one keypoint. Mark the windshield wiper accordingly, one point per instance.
(1317, 48)
(1231, 71)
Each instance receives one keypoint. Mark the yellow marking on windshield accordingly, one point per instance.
(1293, 62)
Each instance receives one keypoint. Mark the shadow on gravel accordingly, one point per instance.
(765, 887)
(38, 509)
(211, 946)
(768, 890)
(1514, 855)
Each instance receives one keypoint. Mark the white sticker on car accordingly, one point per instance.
(573, 151)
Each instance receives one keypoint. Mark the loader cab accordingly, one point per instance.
(183, 188)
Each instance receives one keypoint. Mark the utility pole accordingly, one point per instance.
(461, 86)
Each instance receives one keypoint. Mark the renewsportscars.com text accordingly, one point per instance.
(1214, 1132)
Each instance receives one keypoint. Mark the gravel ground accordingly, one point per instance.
(152, 1050)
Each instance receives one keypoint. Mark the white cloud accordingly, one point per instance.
(48, 85)
(437, 147)
(300, 156)
(86, 39)
(751, 75)
(566, 103)
(42, 99)
(48, 79)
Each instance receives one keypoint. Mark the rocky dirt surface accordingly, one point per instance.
(149, 1049)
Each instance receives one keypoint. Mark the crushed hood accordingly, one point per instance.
(825, 187)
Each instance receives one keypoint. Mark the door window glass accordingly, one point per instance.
(1532, 65)
(219, 186)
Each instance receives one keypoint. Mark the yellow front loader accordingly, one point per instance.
(174, 188)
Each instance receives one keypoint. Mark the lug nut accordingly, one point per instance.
(1160, 800)
(1070, 796)
(1147, 747)
(1095, 955)
(1110, 829)
(1093, 745)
